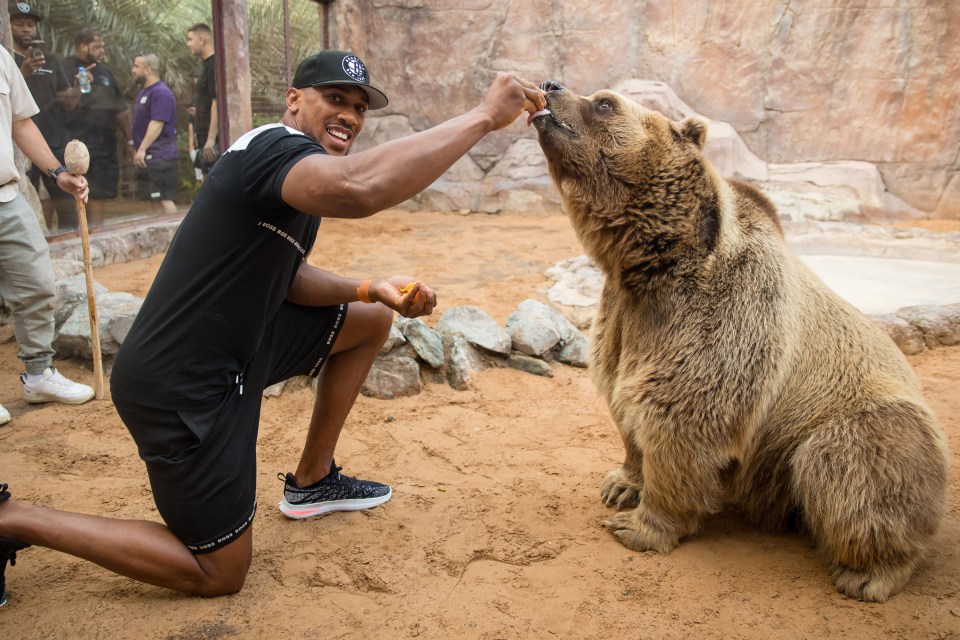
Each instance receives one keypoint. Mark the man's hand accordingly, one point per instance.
(404, 295)
(140, 158)
(77, 185)
(508, 97)
(209, 153)
(32, 60)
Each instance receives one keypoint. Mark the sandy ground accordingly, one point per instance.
(495, 528)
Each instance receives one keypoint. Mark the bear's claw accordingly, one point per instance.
(619, 491)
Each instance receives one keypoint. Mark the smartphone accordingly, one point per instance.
(38, 53)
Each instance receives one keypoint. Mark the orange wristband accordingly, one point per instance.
(363, 291)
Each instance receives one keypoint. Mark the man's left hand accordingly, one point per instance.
(407, 296)
(77, 185)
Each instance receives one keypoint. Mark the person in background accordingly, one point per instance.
(50, 88)
(205, 125)
(155, 135)
(96, 119)
(237, 306)
(26, 273)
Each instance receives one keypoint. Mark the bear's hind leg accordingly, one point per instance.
(871, 488)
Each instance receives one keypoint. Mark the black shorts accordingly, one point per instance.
(103, 174)
(202, 464)
(159, 181)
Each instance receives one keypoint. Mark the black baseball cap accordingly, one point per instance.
(337, 67)
(18, 9)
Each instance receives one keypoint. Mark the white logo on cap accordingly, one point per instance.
(354, 68)
(23, 7)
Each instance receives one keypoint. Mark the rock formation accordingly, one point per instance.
(868, 82)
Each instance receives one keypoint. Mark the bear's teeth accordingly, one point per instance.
(534, 116)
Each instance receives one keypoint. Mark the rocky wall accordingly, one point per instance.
(800, 80)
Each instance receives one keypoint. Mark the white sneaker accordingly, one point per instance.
(4, 415)
(53, 387)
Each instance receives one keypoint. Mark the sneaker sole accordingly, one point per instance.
(300, 511)
(43, 399)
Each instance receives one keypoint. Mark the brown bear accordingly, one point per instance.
(733, 373)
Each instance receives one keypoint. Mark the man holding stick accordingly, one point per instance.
(236, 307)
(26, 273)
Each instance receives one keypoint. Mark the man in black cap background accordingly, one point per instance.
(51, 90)
(236, 306)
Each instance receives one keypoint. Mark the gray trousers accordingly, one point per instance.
(27, 283)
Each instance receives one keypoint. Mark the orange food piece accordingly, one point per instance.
(408, 288)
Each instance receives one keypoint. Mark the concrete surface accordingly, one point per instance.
(883, 285)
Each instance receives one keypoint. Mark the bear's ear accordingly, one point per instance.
(694, 130)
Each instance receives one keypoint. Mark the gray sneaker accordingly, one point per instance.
(54, 387)
(336, 492)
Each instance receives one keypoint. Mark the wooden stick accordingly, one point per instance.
(77, 159)
(91, 301)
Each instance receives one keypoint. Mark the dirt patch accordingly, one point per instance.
(495, 528)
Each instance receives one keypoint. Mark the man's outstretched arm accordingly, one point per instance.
(360, 185)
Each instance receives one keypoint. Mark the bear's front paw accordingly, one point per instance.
(637, 531)
(619, 491)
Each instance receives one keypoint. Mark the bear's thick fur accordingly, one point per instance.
(733, 373)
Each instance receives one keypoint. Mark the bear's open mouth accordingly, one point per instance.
(534, 116)
(547, 116)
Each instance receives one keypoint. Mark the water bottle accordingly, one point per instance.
(84, 83)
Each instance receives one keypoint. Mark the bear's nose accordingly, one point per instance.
(551, 85)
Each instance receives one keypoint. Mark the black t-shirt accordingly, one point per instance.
(225, 275)
(45, 87)
(94, 119)
(203, 96)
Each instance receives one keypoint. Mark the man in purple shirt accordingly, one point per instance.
(155, 135)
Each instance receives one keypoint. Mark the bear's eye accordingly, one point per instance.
(605, 104)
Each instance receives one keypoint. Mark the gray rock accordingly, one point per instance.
(534, 328)
(575, 350)
(288, 386)
(71, 291)
(73, 338)
(119, 326)
(275, 390)
(117, 246)
(405, 350)
(392, 377)
(534, 324)
(462, 361)
(940, 325)
(527, 364)
(298, 382)
(476, 327)
(425, 341)
(907, 337)
(395, 338)
(579, 282)
(65, 268)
